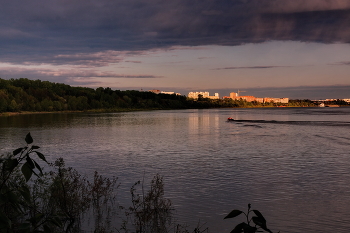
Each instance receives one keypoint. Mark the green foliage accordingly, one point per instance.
(150, 211)
(54, 201)
(15, 196)
(253, 224)
(36, 95)
(302, 103)
(65, 193)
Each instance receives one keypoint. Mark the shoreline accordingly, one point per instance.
(70, 111)
(7, 114)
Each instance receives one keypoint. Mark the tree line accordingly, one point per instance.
(22, 94)
(36, 95)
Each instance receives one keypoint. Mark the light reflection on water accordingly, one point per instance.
(292, 163)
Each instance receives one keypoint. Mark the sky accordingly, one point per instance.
(264, 48)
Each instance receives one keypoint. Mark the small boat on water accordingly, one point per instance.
(230, 119)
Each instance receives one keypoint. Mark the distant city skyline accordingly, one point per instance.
(274, 48)
(301, 92)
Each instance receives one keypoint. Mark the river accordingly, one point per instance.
(292, 164)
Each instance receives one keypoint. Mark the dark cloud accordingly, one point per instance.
(344, 63)
(133, 61)
(60, 31)
(68, 76)
(202, 58)
(136, 76)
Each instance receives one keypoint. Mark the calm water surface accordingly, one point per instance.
(292, 164)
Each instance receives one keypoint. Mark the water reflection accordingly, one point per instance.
(283, 161)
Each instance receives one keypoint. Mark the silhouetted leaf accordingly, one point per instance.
(17, 151)
(239, 228)
(30, 162)
(250, 229)
(29, 139)
(27, 171)
(41, 156)
(35, 147)
(258, 221)
(261, 222)
(244, 227)
(233, 213)
(257, 213)
(38, 167)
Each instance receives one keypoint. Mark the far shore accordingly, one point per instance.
(122, 110)
(28, 112)
(70, 111)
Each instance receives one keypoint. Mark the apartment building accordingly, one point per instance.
(234, 95)
(204, 94)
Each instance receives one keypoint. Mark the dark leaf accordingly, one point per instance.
(35, 147)
(30, 162)
(29, 139)
(233, 213)
(265, 228)
(259, 221)
(38, 167)
(250, 229)
(239, 228)
(17, 151)
(27, 171)
(41, 156)
(244, 227)
(257, 213)
(35, 173)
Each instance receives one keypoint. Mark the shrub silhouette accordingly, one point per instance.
(247, 227)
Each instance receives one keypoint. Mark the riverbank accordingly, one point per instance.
(115, 110)
(86, 111)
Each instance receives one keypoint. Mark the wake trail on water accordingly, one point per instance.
(306, 123)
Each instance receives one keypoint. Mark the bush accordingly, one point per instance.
(54, 201)
(259, 222)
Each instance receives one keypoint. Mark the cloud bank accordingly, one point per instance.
(96, 32)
